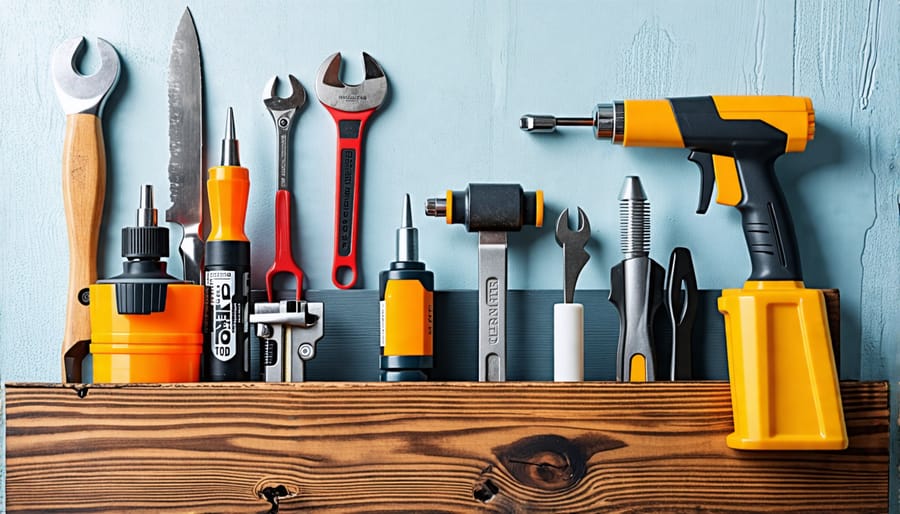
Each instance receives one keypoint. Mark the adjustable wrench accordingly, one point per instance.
(84, 183)
(350, 106)
(283, 111)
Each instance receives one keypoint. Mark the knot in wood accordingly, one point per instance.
(547, 462)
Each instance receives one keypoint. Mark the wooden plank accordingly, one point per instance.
(453, 447)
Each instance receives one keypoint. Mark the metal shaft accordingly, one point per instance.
(146, 213)
(608, 121)
(492, 248)
(634, 219)
(407, 235)
(230, 153)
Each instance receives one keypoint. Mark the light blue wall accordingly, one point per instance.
(461, 73)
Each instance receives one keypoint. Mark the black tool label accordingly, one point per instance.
(225, 314)
(345, 207)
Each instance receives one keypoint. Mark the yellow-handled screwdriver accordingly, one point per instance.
(227, 271)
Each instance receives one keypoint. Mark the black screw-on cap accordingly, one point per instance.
(146, 240)
(145, 243)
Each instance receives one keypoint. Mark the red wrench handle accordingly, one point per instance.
(284, 258)
(350, 127)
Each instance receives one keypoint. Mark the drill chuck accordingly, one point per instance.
(608, 121)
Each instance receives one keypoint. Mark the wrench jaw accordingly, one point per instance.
(334, 93)
(276, 104)
(80, 94)
(574, 255)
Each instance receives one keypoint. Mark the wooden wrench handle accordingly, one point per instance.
(84, 189)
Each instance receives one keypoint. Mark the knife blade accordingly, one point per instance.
(186, 145)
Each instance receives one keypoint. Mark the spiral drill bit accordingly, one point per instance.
(636, 287)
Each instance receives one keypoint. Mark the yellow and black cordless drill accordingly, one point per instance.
(784, 387)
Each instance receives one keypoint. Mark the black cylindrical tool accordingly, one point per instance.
(227, 271)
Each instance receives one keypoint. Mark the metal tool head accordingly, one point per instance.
(275, 103)
(576, 238)
(80, 94)
(573, 243)
(369, 94)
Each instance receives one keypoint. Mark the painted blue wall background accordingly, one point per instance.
(461, 73)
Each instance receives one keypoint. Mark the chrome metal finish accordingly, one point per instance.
(80, 94)
(492, 273)
(436, 207)
(634, 219)
(636, 283)
(609, 121)
(332, 91)
(545, 123)
(230, 152)
(283, 111)
(146, 213)
(407, 235)
(298, 322)
(186, 164)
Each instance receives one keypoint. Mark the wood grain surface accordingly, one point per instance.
(448, 447)
(84, 189)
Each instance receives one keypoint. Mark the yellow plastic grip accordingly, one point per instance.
(539, 208)
(408, 318)
(229, 188)
(784, 386)
(638, 368)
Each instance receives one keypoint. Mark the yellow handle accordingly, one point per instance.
(84, 189)
(229, 189)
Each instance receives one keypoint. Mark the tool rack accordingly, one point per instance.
(436, 446)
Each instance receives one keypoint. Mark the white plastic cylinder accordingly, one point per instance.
(568, 342)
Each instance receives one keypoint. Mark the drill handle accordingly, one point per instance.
(747, 181)
(766, 221)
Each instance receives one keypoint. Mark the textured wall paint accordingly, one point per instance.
(460, 74)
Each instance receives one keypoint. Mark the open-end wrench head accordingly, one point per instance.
(576, 238)
(274, 102)
(333, 92)
(79, 93)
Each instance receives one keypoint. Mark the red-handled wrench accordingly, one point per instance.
(282, 111)
(350, 106)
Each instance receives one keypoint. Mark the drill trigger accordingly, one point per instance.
(707, 178)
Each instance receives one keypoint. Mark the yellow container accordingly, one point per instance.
(784, 386)
(156, 347)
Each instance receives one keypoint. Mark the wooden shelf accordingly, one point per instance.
(456, 446)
